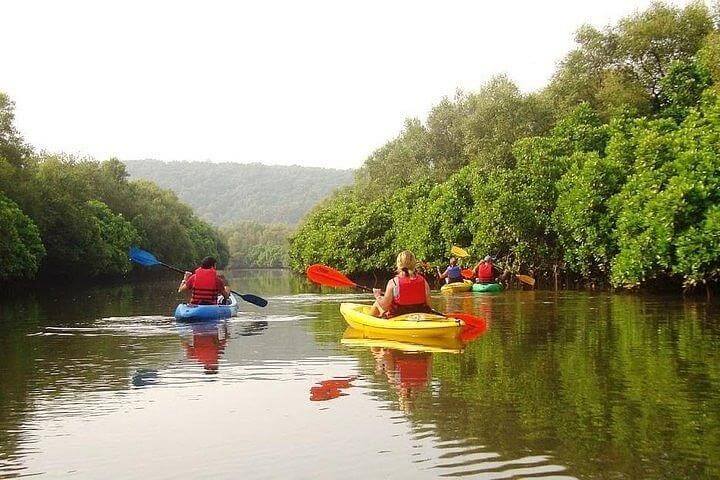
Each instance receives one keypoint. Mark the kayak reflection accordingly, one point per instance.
(407, 361)
(207, 344)
(402, 343)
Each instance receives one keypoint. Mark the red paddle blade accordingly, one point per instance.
(472, 320)
(327, 276)
(467, 273)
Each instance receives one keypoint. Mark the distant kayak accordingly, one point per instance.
(410, 325)
(186, 312)
(487, 287)
(463, 286)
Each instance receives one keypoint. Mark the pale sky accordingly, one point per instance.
(293, 82)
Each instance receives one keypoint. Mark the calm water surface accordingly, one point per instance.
(101, 383)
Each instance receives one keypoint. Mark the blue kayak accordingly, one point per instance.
(187, 312)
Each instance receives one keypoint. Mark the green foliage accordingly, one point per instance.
(346, 233)
(170, 229)
(12, 146)
(223, 193)
(682, 88)
(668, 205)
(399, 163)
(256, 245)
(115, 236)
(87, 215)
(479, 128)
(21, 249)
(619, 184)
(498, 115)
(623, 65)
(709, 56)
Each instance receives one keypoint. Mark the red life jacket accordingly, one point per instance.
(485, 272)
(410, 290)
(204, 287)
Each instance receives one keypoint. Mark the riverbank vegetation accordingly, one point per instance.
(610, 175)
(257, 245)
(76, 218)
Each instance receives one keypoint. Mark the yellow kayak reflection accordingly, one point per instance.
(404, 343)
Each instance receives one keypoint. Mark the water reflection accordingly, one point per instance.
(562, 385)
(407, 372)
(207, 344)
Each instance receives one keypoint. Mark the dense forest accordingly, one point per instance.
(609, 175)
(224, 193)
(257, 245)
(76, 218)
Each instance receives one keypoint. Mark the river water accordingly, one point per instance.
(102, 383)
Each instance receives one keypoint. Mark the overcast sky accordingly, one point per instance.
(297, 82)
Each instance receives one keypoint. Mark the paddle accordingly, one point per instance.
(142, 257)
(526, 279)
(459, 252)
(324, 275)
(467, 273)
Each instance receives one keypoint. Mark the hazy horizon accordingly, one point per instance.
(238, 163)
(316, 84)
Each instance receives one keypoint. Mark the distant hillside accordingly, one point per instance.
(223, 193)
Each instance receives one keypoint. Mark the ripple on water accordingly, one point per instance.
(138, 326)
(324, 298)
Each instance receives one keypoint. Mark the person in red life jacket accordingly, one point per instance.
(484, 272)
(453, 273)
(407, 292)
(205, 284)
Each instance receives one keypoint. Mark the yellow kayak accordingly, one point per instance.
(402, 343)
(412, 325)
(463, 286)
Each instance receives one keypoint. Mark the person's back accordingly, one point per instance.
(484, 271)
(205, 284)
(409, 295)
(407, 292)
(453, 272)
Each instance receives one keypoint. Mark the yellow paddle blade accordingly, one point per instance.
(526, 280)
(459, 252)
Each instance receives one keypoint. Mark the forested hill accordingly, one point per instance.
(222, 193)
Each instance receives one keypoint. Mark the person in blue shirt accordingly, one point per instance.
(453, 273)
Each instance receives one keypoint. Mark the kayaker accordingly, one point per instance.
(205, 284)
(453, 273)
(483, 271)
(407, 292)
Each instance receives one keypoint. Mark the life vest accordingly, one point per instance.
(455, 273)
(485, 272)
(204, 287)
(409, 290)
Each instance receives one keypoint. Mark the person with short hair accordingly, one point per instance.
(407, 292)
(205, 284)
(484, 272)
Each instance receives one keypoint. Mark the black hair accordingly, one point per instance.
(208, 262)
